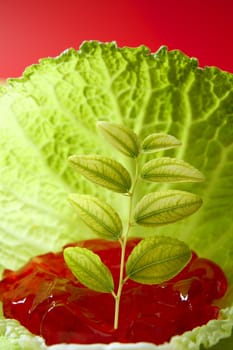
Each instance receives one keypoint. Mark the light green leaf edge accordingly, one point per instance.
(166, 169)
(88, 268)
(96, 214)
(157, 259)
(103, 171)
(191, 103)
(121, 137)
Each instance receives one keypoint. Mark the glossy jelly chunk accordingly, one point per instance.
(47, 299)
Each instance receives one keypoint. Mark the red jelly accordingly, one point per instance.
(47, 299)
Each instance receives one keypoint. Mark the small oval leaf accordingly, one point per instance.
(121, 137)
(167, 169)
(88, 268)
(99, 216)
(103, 171)
(159, 208)
(158, 142)
(157, 259)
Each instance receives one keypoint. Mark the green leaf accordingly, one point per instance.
(88, 268)
(121, 137)
(103, 171)
(170, 170)
(159, 208)
(99, 216)
(158, 142)
(157, 259)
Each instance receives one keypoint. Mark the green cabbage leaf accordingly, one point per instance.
(51, 112)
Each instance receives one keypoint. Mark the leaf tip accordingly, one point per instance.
(71, 158)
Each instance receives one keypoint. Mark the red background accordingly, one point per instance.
(31, 29)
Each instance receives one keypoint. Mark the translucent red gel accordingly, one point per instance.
(47, 299)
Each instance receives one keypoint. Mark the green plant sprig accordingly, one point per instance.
(155, 259)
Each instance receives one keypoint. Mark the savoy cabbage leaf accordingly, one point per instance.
(51, 112)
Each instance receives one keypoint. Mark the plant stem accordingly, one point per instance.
(123, 241)
(120, 284)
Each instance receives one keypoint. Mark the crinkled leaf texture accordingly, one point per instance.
(51, 113)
